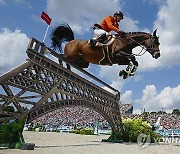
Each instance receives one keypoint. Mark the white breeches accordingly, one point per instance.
(98, 32)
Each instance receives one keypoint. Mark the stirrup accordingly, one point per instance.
(124, 74)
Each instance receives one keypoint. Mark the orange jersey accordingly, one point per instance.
(109, 24)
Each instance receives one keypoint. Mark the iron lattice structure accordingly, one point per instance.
(41, 85)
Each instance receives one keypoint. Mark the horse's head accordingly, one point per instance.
(152, 45)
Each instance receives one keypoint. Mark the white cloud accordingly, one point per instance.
(167, 99)
(111, 73)
(80, 14)
(126, 97)
(2, 2)
(152, 100)
(12, 49)
(159, 2)
(167, 23)
(137, 111)
(129, 25)
(17, 1)
(138, 77)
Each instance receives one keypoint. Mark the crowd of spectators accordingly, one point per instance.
(71, 116)
(86, 117)
(167, 120)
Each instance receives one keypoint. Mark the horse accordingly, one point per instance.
(119, 52)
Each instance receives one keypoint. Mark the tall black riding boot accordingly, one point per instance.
(101, 38)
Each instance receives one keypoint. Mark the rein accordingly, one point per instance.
(151, 47)
(143, 48)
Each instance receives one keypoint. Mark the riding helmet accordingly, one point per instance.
(119, 13)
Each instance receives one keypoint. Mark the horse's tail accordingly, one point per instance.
(60, 34)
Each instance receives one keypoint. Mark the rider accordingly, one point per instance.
(102, 30)
(101, 33)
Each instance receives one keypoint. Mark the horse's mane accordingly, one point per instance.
(138, 33)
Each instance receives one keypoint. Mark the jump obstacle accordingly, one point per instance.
(43, 85)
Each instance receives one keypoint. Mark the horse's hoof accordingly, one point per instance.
(131, 74)
(121, 73)
(125, 76)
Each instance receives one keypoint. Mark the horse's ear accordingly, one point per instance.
(154, 33)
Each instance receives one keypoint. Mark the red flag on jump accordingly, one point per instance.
(46, 18)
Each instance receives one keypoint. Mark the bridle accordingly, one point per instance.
(142, 48)
(150, 48)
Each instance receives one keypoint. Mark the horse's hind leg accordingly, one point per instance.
(71, 51)
(81, 63)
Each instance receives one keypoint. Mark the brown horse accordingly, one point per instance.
(120, 52)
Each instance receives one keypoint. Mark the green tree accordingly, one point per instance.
(133, 128)
(11, 133)
(176, 111)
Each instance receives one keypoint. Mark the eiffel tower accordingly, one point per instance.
(43, 84)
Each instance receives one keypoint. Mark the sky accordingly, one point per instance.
(156, 84)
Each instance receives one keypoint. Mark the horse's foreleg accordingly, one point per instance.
(131, 68)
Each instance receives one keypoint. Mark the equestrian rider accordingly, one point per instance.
(102, 30)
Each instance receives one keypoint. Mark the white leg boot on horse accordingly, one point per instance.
(125, 73)
(133, 71)
(130, 70)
